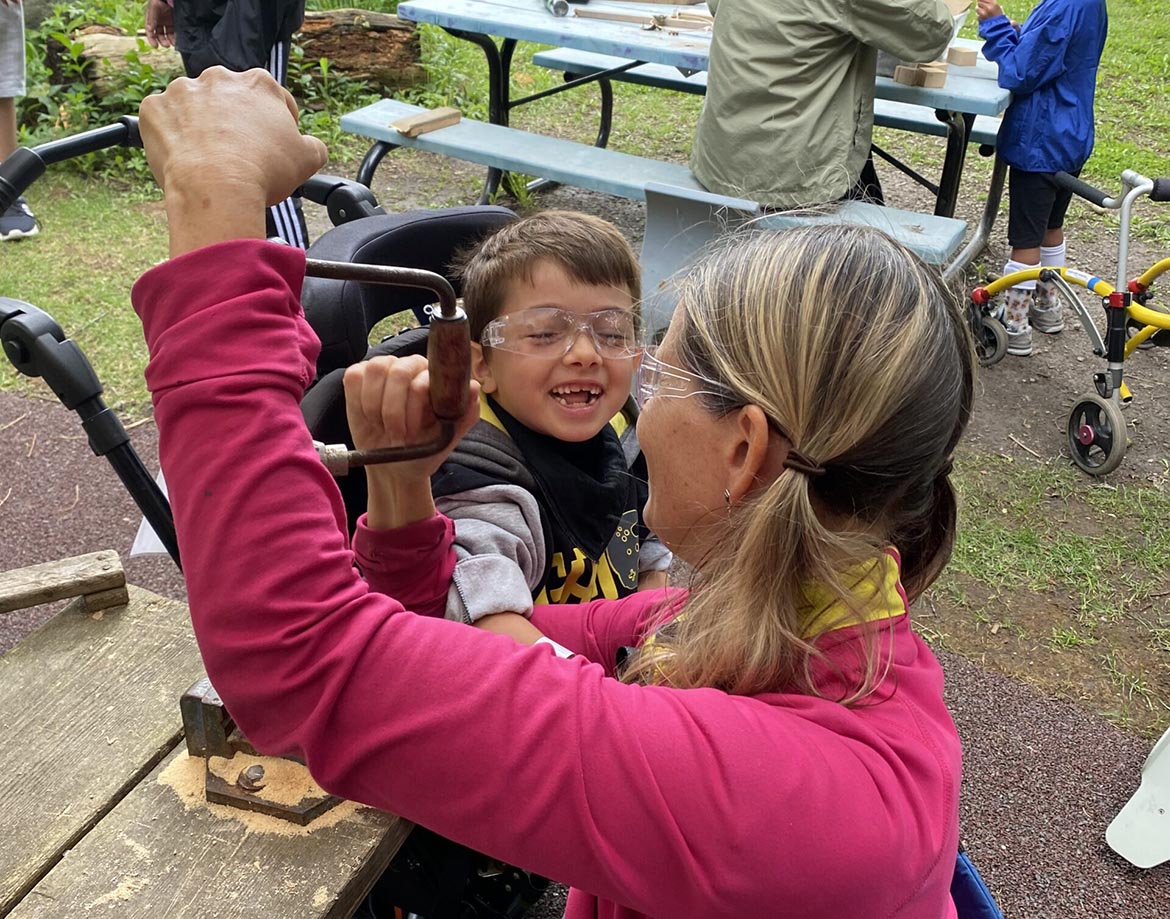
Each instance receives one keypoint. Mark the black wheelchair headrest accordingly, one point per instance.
(342, 313)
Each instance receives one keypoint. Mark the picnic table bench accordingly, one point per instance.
(97, 818)
(681, 216)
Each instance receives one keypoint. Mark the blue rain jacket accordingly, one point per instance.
(1050, 66)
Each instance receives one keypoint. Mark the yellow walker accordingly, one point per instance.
(1096, 428)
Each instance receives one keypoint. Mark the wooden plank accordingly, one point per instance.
(612, 16)
(89, 703)
(59, 580)
(153, 858)
(414, 125)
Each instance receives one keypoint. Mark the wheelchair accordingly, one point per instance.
(345, 296)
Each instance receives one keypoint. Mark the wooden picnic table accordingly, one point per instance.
(96, 788)
(968, 92)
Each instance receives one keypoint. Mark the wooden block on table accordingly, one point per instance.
(906, 74)
(414, 125)
(963, 57)
(932, 67)
(105, 599)
(930, 77)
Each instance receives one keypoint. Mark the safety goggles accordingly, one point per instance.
(551, 332)
(656, 378)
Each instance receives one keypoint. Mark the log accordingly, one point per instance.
(378, 48)
(104, 59)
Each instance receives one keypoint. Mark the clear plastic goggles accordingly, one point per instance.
(551, 332)
(656, 378)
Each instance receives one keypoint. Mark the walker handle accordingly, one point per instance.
(1082, 189)
(1161, 190)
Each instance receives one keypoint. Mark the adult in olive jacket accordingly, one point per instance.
(788, 115)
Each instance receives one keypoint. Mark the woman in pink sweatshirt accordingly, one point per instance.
(779, 744)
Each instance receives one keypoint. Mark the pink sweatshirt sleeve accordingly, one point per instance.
(671, 803)
(414, 563)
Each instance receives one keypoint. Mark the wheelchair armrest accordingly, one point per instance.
(343, 199)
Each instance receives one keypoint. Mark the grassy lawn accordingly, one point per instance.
(1082, 608)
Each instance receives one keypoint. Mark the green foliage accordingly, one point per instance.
(456, 75)
(66, 104)
(324, 96)
(374, 6)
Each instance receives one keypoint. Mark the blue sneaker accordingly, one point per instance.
(18, 221)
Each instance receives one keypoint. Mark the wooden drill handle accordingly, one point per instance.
(449, 358)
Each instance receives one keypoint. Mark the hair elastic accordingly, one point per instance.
(798, 462)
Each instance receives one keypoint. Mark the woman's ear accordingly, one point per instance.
(480, 369)
(753, 455)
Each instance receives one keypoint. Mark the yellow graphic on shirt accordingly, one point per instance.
(578, 579)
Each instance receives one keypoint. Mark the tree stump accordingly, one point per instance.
(377, 48)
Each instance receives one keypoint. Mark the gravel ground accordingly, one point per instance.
(1042, 778)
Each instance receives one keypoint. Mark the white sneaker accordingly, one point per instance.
(1019, 341)
(18, 221)
(1048, 320)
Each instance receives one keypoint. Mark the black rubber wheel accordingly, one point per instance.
(1097, 436)
(991, 341)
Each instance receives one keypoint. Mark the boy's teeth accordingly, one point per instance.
(576, 395)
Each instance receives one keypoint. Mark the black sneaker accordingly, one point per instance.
(18, 221)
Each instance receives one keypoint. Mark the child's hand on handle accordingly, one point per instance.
(387, 402)
(222, 148)
(988, 9)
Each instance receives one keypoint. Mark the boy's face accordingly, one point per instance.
(572, 396)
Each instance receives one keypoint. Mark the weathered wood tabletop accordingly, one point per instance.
(96, 790)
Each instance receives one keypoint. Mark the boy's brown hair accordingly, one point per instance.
(590, 250)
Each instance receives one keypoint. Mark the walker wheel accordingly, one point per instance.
(991, 341)
(1097, 435)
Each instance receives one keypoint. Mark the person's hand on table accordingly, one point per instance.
(387, 402)
(987, 9)
(222, 148)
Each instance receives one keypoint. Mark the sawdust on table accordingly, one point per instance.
(286, 782)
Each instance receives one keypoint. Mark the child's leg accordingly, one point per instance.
(1030, 198)
(17, 221)
(12, 76)
(1046, 312)
(7, 127)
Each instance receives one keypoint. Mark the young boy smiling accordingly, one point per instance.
(546, 491)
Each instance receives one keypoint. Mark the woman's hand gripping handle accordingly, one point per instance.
(222, 148)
